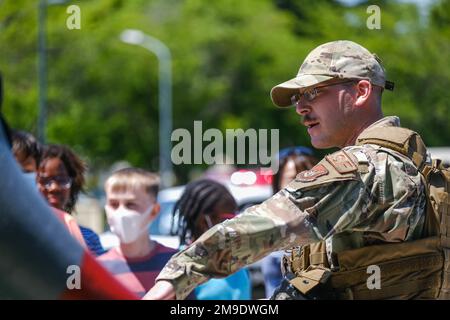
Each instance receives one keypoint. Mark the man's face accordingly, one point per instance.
(328, 117)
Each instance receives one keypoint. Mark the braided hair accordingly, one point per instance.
(201, 197)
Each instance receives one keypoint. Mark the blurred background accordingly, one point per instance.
(90, 89)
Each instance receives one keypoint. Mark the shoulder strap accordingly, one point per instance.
(405, 141)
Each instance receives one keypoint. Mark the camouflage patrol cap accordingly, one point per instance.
(337, 59)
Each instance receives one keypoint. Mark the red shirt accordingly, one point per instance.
(70, 224)
(137, 274)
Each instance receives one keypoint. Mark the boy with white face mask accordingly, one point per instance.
(131, 206)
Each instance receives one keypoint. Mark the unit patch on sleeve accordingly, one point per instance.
(312, 174)
(342, 162)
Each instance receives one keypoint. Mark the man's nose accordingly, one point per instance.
(302, 108)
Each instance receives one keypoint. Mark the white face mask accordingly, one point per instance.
(128, 224)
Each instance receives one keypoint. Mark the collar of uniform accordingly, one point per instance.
(391, 121)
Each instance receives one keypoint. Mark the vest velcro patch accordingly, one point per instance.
(342, 162)
(312, 174)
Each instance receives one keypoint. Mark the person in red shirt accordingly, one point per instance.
(131, 206)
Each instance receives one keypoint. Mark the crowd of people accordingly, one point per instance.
(131, 206)
(379, 200)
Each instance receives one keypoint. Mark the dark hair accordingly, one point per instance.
(75, 167)
(200, 197)
(302, 157)
(25, 144)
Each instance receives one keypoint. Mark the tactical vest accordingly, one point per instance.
(418, 269)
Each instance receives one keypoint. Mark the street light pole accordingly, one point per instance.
(42, 70)
(162, 52)
(42, 65)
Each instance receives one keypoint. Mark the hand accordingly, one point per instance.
(162, 290)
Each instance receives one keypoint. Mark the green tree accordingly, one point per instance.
(227, 55)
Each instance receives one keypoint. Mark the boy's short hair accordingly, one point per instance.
(132, 179)
(25, 145)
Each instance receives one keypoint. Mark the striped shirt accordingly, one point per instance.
(137, 274)
(92, 241)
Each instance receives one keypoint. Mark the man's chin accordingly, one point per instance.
(318, 143)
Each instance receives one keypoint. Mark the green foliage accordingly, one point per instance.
(227, 55)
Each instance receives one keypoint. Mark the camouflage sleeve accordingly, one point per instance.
(275, 224)
(383, 203)
(349, 199)
(281, 222)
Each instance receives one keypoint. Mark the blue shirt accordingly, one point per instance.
(234, 287)
(92, 241)
(271, 269)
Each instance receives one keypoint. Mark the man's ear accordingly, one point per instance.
(363, 91)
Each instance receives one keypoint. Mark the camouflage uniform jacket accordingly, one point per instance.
(358, 196)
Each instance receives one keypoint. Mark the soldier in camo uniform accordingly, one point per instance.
(362, 195)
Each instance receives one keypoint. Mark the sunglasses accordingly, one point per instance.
(311, 94)
(63, 182)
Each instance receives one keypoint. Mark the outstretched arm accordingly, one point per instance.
(276, 224)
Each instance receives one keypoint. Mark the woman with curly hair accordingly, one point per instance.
(292, 160)
(61, 179)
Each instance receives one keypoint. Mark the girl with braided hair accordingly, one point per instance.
(203, 204)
